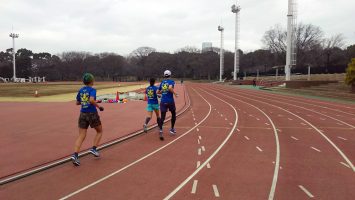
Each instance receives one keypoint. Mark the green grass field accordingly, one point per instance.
(57, 92)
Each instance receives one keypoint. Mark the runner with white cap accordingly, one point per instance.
(167, 102)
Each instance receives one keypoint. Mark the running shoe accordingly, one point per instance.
(161, 135)
(145, 128)
(75, 160)
(94, 152)
(172, 131)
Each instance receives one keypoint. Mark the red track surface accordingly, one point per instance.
(37, 133)
(245, 144)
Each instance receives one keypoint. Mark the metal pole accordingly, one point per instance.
(289, 40)
(13, 57)
(309, 73)
(277, 73)
(236, 10)
(13, 36)
(257, 74)
(221, 61)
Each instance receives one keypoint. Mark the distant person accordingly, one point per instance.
(254, 82)
(182, 81)
(167, 102)
(88, 117)
(152, 104)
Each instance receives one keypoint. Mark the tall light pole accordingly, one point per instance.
(291, 38)
(221, 54)
(236, 9)
(13, 36)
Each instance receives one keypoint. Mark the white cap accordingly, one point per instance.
(167, 73)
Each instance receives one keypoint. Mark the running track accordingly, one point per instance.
(231, 144)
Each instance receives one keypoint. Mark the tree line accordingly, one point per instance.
(324, 55)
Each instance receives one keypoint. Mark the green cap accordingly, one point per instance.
(88, 78)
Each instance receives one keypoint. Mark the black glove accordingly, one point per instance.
(101, 108)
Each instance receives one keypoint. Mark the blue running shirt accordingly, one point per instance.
(167, 96)
(151, 92)
(83, 97)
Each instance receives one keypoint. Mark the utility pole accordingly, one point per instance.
(221, 61)
(291, 38)
(236, 9)
(13, 36)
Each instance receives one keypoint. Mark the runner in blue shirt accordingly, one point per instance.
(167, 102)
(152, 104)
(86, 97)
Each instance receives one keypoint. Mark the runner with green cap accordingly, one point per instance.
(86, 97)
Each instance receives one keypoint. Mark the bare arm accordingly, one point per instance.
(171, 89)
(93, 102)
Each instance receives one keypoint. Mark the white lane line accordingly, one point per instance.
(225, 119)
(277, 165)
(215, 190)
(142, 158)
(280, 115)
(259, 149)
(198, 164)
(194, 119)
(309, 115)
(267, 124)
(197, 129)
(221, 115)
(258, 119)
(199, 151)
(342, 138)
(279, 130)
(194, 187)
(212, 155)
(345, 164)
(231, 124)
(294, 138)
(203, 148)
(198, 141)
(315, 149)
(340, 124)
(251, 115)
(238, 130)
(322, 119)
(195, 123)
(290, 119)
(338, 115)
(303, 124)
(199, 137)
(208, 166)
(306, 191)
(246, 137)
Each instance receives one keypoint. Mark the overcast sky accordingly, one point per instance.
(121, 26)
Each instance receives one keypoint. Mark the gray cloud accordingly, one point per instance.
(123, 25)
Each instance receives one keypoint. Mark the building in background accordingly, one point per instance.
(207, 46)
